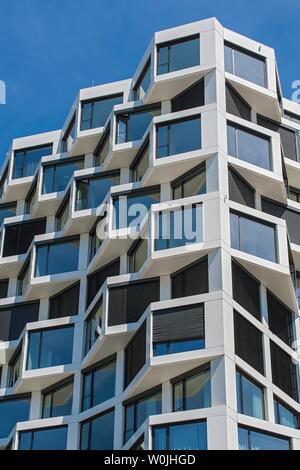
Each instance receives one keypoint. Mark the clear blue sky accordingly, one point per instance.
(50, 49)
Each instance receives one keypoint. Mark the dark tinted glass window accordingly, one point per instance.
(96, 279)
(283, 371)
(291, 217)
(48, 348)
(245, 64)
(239, 190)
(132, 126)
(65, 303)
(57, 177)
(280, 319)
(44, 439)
(98, 433)
(13, 319)
(285, 415)
(190, 184)
(99, 384)
(178, 55)
(193, 391)
(191, 280)
(19, 237)
(3, 288)
(58, 401)
(131, 208)
(249, 439)
(13, 411)
(7, 210)
(236, 105)
(178, 137)
(143, 82)
(250, 396)
(94, 113)
(26, 161)
(92, 191)
(57, 258)
(190, 98)
(180, 436)
(246, 290)
(135, 355)
(288, 136)
(248, 343)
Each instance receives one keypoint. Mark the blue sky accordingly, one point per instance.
(48, 50)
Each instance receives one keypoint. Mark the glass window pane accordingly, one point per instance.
(11, 412)
(50, 348)
(197, 391)
(57, 258)
(260, 441)
(250, 397)
(178, 396)
(285, 416)
(257, 239)
(249, 67)
(94, 114)
(228, 59)
(50, 439)
(187, 436)
(178, 137)
(101, 433)
(231, 141)
(62, 400)
(104, 383)
(185, 54)
(253, 149)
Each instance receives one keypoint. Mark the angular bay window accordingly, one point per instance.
(97, 433)
(54, 438)
(24, 278)
(94, 112)
(251, 439)
(7, 210)
(191, 183)
(99, 382)
(294, 194)
(3, 288)
(285, 416)
(18, 237)
(26, 161)
(246, 290)
(192, 390)
(141, 162)
(103, 147)
(284, 371)
(192, 97)
(291, 217)
(180, 136)
(280, 319)
(179, 227)
(248, 343)
(95, 236)
(137, 255)
(96, 279)
(91, 192)
(249, 146)
(14, 367)
(135, 354)
(235, 103)
(240, 190)
(93, 326)
(191, 435)
(65, 303)
(143, 82)
(128, 302)
(12, 411)
(245, 64)
(132, 125)
(31, 197)
(62, 214)
(250, 396)
(179, 54)
(130, 209)
(138, 409)
(289, 137)
(191, 280)
(57, 257)
(253, 236)
(50, 347)
(3, 180)
(56, 177)
(14, 317)
(178, 329)
(69, 136)
(58, 399)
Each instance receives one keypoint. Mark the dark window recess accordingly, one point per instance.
(3, 288)
(96, 279)
(128, 302)
(288, 136)
(13, 319)
(18, 238)
(248, 343)
(283, 371)
(239, 190)
(191, 280)
(245, 290)
(280, 319)
(65, 303)
(180, 323)
(189, 98)
(135, 355)
(236, 105)
(291, 217)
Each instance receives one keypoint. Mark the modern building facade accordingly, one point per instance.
(120, 330)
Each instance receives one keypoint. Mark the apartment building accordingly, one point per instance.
(115, 332)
